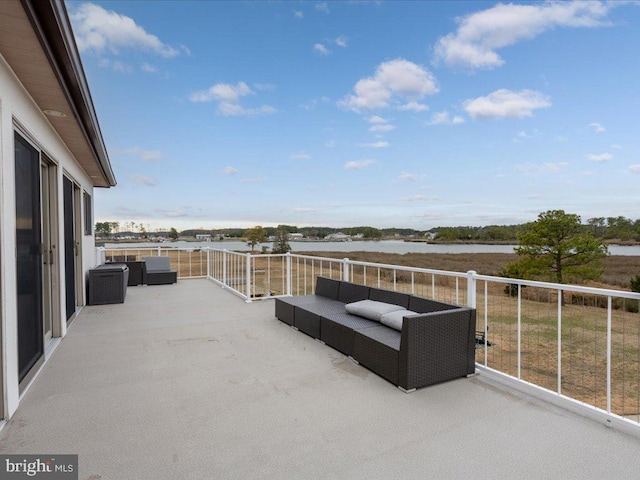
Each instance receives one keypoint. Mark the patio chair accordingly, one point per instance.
(159, 271)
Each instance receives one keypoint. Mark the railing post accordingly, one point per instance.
(224, 267)
(345, 269)
(560, 293)
(159, 251)
(288, 257)
(609, 306)
(519, 332)
(471, 289)
(248, 279)
(208, 263)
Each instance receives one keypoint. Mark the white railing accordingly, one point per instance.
(579, 343)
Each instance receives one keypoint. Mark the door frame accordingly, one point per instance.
(53, 226)
(76, 199)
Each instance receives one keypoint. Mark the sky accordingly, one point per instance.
(383, 113)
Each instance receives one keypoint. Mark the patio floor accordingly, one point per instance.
(187, 381)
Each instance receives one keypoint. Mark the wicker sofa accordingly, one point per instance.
(435, 345)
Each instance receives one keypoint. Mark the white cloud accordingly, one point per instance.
(145, 155)
(635, 168)
(97, 29)
(223, 92)
(600, 157)
(380, 144)
(322, 7)
(598, 128)
(397, 79)
(411, 177)
(532, 169)
(264, 87)
(413, 107)
(321, 49)
(330, 143)
(115, 65)
(142, 180)
(235, 110)
(175, 213)
(228, 97)
(615, 146)
(300, 156)
(341, 41)
(377, 119)
(414, 198)
(298, 14)
(554, 167)
(146, 67)
(505, 103)
(479, 35)
(382, 127)
(253, 180)
(359, 164)
(151, 155)
(230, 170)
(443, 118)
(314, 102)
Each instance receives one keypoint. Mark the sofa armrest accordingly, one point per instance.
(437, 346)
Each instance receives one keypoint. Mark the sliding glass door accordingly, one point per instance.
(28, 256)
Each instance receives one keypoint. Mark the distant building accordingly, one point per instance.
(337, 237)
(296, 236)
(206, 237)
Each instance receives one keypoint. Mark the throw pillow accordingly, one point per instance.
(394, 319)
(371, 309)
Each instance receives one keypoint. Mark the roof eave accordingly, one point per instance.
(52, 26)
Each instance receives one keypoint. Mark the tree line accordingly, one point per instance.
(367, 232)
(606, 228)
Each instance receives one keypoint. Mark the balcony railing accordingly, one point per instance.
(580, 344)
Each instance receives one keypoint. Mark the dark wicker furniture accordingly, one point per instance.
(435, 345)
(108, 284)
(159, 271)
(137, 273)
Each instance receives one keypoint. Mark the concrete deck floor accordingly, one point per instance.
(187, 381)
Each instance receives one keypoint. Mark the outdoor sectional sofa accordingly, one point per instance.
(435, 344)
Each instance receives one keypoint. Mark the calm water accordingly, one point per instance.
(385, 246)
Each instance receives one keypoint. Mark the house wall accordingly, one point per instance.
(18, 108)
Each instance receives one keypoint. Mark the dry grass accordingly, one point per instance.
(618, 270)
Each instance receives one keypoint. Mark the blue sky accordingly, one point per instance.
(390, 114)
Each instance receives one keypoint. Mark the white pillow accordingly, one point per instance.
(394, 319)
(371, 309)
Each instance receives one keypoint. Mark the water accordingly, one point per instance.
(385, 246)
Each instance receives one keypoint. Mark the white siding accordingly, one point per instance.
(17, 106)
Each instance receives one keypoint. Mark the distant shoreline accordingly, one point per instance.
(100, 243)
